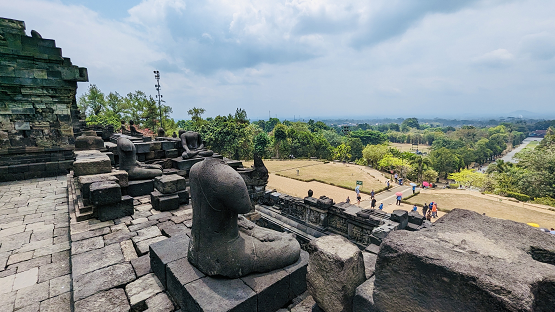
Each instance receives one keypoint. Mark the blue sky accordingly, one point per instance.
(313, 59)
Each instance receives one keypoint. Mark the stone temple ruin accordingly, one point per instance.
(38, 111)
(165, 223)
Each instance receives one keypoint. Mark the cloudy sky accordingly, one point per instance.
(312, 59)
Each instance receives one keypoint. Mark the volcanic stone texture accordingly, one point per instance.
(38, 111)
(335, 270)
(465, 262)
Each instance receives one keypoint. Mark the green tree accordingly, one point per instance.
(280, 135)
(92, 101)
(374, 153)
(196, 116)
(261, 143)
(342, 152)
(356, 148)
(444, 161)
(410, 123)
(420, 164)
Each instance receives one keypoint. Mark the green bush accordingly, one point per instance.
(521, 197)
(454, 186)
(545, 201)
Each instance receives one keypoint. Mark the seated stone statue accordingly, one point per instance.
(193, 145)
(161, 132)
(222, 243)
(132, 129)
(128, 162)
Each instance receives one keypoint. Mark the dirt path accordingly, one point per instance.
(300, 189)
(491, 205)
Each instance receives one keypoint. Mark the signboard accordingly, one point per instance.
(359, 183)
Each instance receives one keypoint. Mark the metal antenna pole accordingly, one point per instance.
(157, 86)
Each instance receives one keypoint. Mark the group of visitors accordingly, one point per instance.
(429, 210)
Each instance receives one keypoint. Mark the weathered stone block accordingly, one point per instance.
(155, 145)
(472, 263)
(84, 142)
(164, 202)
(102, 279)
(271, 288)
(113, 300)
(86, 181)
(18, 168)
(416, 218)
(171, 153)
(180, 273)
(143, 288)
(105, 193)
(219, 295)
(150, 155)
(140, 187)
(185, 164)
(183, 197)
(335, 270)
(297, 275)
(94, 165)
(158, 154)
(167, 251)
(364, 298)
(168, 184)
(142, 148)
(168, 145)
(401, 216)
(116, 210)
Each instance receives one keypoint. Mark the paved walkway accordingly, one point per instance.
(34, 245)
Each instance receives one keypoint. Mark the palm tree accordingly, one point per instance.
(420, 163)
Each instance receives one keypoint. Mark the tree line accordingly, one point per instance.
(452, 150)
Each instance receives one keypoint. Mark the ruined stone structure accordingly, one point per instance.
(38, 111)
(314, 217)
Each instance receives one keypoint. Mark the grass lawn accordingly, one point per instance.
(407, 147)
(492, 207)
(337, 174)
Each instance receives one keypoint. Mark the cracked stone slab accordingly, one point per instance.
(96, 259)
(113, 300)
(143, 288)
(102, 279)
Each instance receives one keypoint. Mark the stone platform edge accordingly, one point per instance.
(194, 291)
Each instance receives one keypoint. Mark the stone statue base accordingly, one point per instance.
(195, 291)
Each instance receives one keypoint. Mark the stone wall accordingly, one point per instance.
(38, 110)
(325, 216)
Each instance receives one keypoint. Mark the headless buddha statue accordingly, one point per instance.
(193, 145)
(128, 162)
(223, 243)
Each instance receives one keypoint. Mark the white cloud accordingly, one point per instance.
(314, 58)
(495, 59)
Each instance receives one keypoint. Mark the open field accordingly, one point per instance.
(405, 147)
(529, 146)
(493, 206)
(338, 174)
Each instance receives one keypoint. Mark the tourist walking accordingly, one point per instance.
(413, 188)
(429, 215)
(357, 190)
(414, 208)
(396, 176)
(381, 206)
(372, 194)
(373, 205)
(399, 197)
(434, 210)
(387, 183)
(348, 200)
(424, 209)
